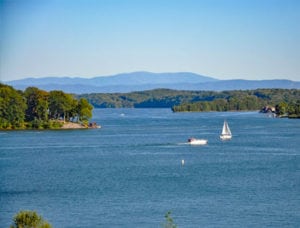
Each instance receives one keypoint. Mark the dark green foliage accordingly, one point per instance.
(223, 104)
(194, 100)
(169, 223)
(281, 108)
(201, 101)
(38, 109)
(12, 108)
(84, 110)
(29, 219)
(37, 104)
(291, 109)
(60, 105)
(147, 99)
(244, 101)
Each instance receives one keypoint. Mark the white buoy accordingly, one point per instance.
(182, 162)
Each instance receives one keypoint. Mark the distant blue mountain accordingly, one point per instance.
(139, 81)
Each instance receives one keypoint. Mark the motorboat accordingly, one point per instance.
(194, 141)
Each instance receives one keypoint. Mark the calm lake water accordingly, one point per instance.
(129, 172)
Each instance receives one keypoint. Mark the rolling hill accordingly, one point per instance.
(140, 81)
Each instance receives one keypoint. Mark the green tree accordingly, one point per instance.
(12, 108)
(29, 219)
(84, 110)
(60, 104)
(34, 107)
(37, 104)
(293, 109)
(169, 223)
(281, 108)
(297, 108)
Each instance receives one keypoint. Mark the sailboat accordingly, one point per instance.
(226, 133)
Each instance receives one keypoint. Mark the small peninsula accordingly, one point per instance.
(39, 109)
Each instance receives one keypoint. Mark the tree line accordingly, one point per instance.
(179, 100)
(283, 109)
(39, 109)
(290, 110)
(35, 108)
(246, 102)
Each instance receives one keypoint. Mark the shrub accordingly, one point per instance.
(29, 219)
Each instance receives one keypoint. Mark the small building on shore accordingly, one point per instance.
(94, 125)
(268, 109)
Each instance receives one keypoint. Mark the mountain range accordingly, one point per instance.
(140, 81)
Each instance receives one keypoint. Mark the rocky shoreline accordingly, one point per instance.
(71, 125)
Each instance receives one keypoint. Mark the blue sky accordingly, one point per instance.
(226, 39)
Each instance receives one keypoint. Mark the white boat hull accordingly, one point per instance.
(197, 141)
(225, 137)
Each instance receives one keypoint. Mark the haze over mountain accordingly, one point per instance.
(139, 81)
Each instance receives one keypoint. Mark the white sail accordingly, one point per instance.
(226, 133)
(226, 129)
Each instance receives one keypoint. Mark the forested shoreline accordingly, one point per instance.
(166, 98)
(39, 109)
(281, 102)
(283, 109)
(286, 101)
